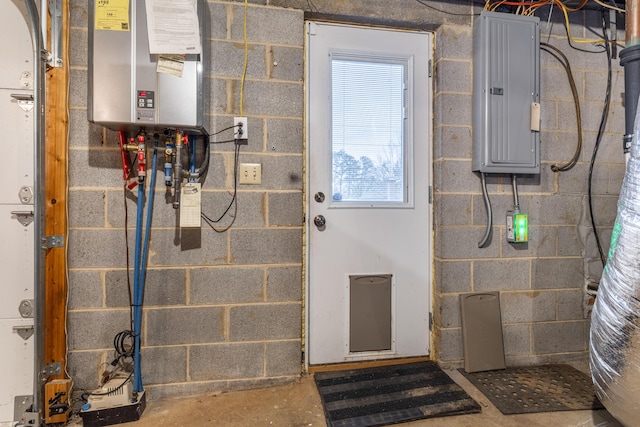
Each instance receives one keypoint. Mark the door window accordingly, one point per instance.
(368, 129)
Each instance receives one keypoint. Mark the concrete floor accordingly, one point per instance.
(298, 405)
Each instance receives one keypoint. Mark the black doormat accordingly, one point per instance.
(528, 389)
(390, 394)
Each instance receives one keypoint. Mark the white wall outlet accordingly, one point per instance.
(250, 173)
(241, 128)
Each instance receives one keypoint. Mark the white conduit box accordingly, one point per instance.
(506, 94)
(146, 71)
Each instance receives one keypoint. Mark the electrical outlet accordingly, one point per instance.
(250, 173)
(241, 128)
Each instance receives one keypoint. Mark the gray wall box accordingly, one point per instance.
(125, 90)
(506, 94)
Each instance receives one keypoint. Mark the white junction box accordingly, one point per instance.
(241, 128)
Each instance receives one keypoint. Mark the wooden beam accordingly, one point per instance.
(56, 147)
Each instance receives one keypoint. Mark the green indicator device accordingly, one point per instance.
(517, 227)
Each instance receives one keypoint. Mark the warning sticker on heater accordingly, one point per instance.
(112, 15)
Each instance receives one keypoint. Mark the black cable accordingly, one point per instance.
(222, 142)
(424, 3)
(225, 129)
(487, 204)
(312, 7)
(556, 53)
(233, 201)
(603, 124)
(204, 167)
(86, 394)
(566, 28)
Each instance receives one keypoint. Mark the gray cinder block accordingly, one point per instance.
(235, 285)
(226, 361)
(265, 322)
(184, 325)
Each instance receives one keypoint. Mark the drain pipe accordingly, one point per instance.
(630, 60)
(36, 414)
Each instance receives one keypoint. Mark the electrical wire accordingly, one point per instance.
(312, 7)
(487, 205)
(86, 394)
(424, 3)
(556, 53)
(608, 6)
(232, 203)
(603, 124)
(223, 142)
(514, 187)
(246, 55)
(225, 129)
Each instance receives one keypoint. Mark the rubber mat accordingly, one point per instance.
(528, 389)
(389, 395)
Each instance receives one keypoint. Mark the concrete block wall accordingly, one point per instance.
(544, 306)
(223, 311)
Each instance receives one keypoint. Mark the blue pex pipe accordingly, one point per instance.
(137, 312)
(141, 269)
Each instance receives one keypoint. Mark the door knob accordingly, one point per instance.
(320, 221)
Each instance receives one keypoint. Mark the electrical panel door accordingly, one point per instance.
(129, 89)
(506, 94)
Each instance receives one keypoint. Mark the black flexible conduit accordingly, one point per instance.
(514, 185)
(601, 128)
(556, 53)
(487, 205)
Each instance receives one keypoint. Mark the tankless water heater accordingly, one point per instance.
(129, 86)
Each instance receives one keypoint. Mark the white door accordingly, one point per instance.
(16, 250)
(369, 171)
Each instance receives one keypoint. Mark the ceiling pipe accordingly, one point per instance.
(630, 60)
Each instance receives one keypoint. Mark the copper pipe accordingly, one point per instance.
(632, 34)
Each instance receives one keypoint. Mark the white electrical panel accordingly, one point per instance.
(506, 94)
(129, 86)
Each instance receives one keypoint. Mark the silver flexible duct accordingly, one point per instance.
(615, 325)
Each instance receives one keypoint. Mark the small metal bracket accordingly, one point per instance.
(54, 368)
(49, 242)
(21, 404)
(26, 308)
(26, 195)
(25, 331)
(24, 100)
(24, 217)
(26, 80)
(55, 10)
